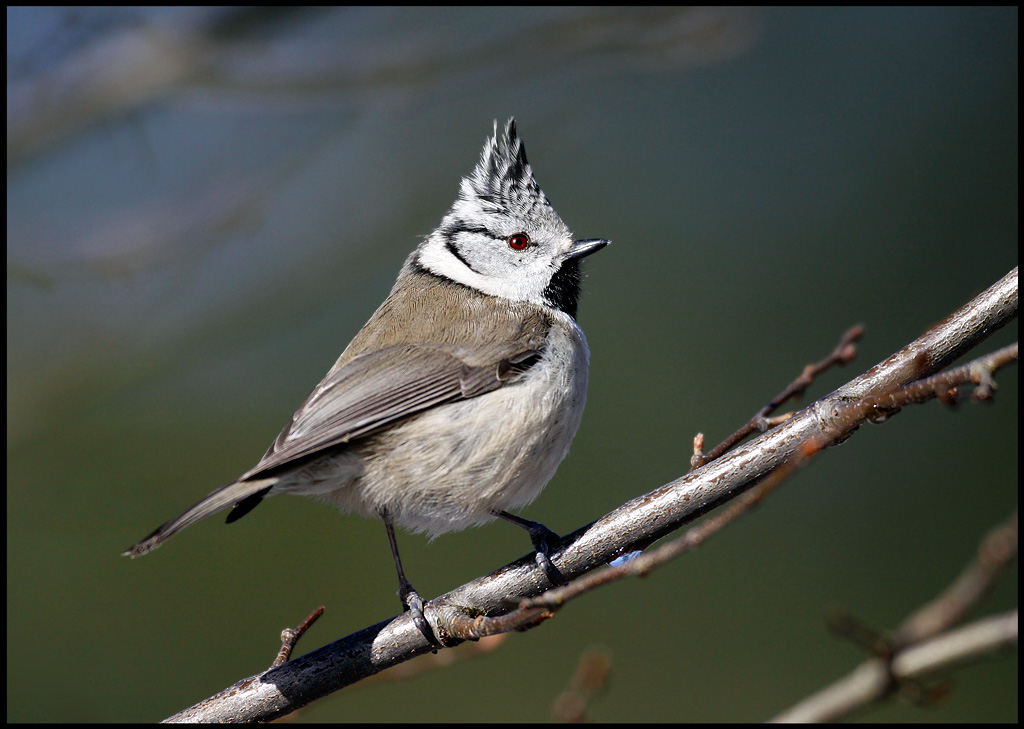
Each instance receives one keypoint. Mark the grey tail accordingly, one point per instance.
(244, 493)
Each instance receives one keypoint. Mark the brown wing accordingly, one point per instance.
(379, 388)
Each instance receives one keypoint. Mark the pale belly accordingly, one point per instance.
(452, 466)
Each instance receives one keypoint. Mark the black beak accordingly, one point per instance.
(581, 248)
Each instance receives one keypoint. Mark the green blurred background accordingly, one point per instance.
(203, 206)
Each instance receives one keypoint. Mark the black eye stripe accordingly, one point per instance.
(471, 229)
(450, 232)
(449, 241)
(453, 249)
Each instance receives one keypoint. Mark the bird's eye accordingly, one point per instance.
(519, 241)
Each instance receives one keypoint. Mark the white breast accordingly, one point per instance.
(450, 467)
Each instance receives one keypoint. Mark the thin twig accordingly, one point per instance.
(844, 353)
(918, 392)
(290, 636)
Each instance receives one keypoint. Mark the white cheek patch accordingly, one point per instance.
(435, 257)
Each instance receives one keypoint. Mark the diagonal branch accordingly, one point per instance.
(634, 525)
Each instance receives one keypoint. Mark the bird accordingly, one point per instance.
(461, 395)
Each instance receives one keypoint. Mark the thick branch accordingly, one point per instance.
(634, 525)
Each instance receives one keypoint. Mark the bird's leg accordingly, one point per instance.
(543, 542)
(406, 592)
